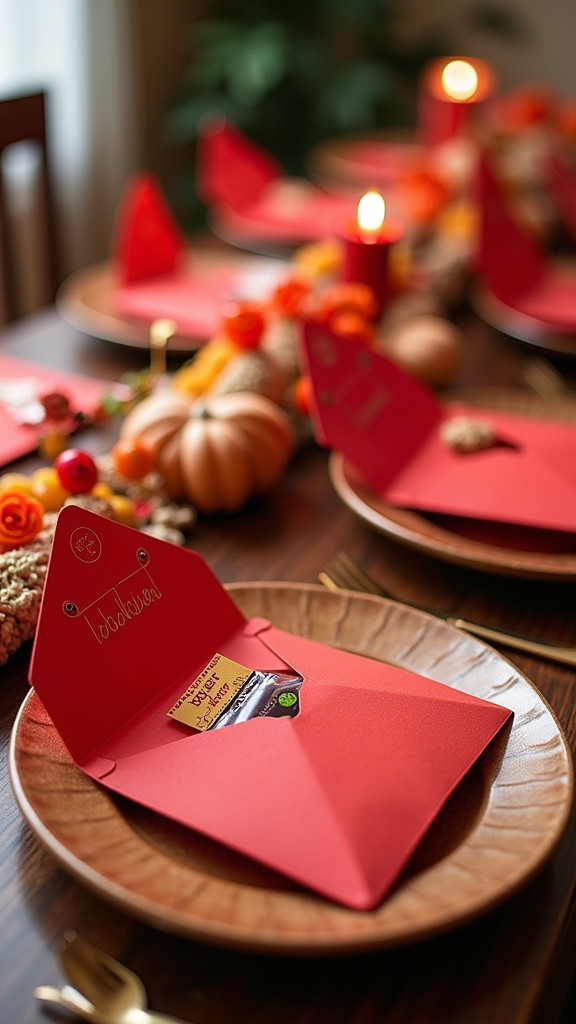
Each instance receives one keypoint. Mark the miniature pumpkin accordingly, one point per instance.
(215, 453)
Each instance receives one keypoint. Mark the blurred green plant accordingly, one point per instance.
(293, 72)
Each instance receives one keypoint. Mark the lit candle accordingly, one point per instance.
(452, 91)
(367, 247)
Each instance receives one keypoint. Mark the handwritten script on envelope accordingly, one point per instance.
(389, 426)
(337, 797)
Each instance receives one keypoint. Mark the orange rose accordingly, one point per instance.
(21, 518)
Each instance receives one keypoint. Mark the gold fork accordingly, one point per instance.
(544, 378)
(114, 994)
(342, 572)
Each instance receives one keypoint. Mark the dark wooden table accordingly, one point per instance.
(512, 966)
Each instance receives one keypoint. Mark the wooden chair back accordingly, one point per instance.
(23, 119)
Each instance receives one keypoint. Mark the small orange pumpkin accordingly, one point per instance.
(216, 452)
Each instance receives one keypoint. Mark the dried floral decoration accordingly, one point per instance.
(468, 434)
(22, 575)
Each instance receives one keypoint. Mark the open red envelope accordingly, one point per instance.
(390, 427)
(21, 383)
(336, 797)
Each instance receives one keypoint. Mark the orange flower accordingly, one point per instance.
(422, 195)
(243, 322)
(526, 106)
(290, 297)
(352, 324)
(348, 296)
(302, 395)
(21, 518)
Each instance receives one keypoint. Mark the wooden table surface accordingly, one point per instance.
(511, 966)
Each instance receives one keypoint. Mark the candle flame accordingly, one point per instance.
(371, 212)
(459, 80)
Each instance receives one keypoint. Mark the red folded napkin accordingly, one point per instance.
(158, 274)
(250, 197)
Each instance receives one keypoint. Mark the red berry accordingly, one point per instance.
(77, 471)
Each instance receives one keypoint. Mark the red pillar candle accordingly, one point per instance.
(367, 247)
(452, 92)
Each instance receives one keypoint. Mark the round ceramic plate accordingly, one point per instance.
(517, 325)
(505, 549)
(495, 832)
(87, 299)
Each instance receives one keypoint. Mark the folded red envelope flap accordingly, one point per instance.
(123, 616)
(364, 405)
(508, 258)
(336, 798)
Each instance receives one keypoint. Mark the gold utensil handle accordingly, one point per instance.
(333, 579)
(68, 998)
(564, 655)
(75, 1002)
(151, 1017)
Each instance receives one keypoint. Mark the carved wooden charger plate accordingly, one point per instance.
(495, 832)
(504, 549)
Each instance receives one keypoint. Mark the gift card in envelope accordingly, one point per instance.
(332, 779)
(396, 433)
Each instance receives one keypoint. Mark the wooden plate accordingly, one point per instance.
(496, 831)
(507, 550)
(86, 300)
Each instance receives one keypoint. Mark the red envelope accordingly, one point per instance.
(251, 198)
(389, 426)
(513, 265)
(17, 438)
(337, 797)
